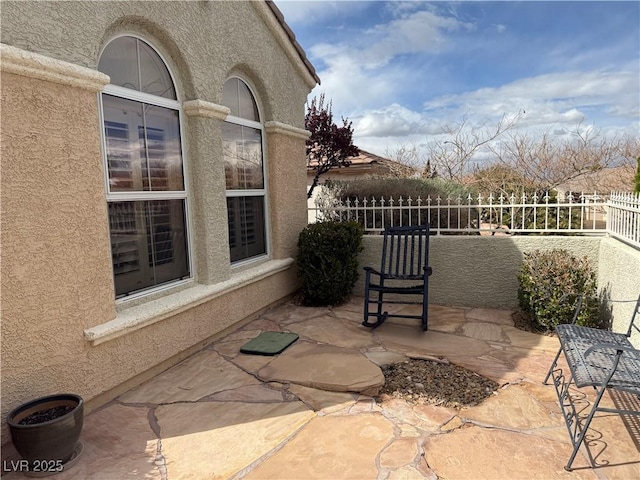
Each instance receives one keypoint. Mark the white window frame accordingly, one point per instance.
(138, 96)
(255, 192)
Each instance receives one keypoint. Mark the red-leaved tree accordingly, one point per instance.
(328, 146)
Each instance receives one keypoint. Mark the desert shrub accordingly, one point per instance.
(405, 188)
(550, 283)
(328, 261)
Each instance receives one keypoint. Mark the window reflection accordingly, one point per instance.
(143, 146)
(246, 227)
(237, 96)
(242, 150)
(131, 63)
(148, 243)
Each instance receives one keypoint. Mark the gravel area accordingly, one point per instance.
(430, 382)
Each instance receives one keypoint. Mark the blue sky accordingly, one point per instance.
(402, 70)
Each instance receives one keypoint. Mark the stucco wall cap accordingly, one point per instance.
(286, 129)
(28, 64)
(140, 316)
(202, 108)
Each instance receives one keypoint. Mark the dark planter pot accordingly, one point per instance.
(50, 442)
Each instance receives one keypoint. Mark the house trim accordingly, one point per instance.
(202, 108)
(139, 316)
(33, 65)
(285, 129)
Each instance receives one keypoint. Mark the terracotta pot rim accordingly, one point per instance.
(47, 398)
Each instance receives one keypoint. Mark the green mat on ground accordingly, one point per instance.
(269, 343)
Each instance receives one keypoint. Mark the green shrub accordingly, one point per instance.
(550, 283)
(328, 261)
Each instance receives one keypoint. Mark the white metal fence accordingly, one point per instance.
(570, 213)
(623, 219)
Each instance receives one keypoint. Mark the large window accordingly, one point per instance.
(242, 135)
(146, 189)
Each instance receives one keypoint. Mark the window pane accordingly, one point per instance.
(246, 227)
(242, 151)
(148, 243)
(120, 61)
(248, 107)
(139, 158)
(230, 96)
(154, 74)
(122, 120)
(237, 96)
(162, 169)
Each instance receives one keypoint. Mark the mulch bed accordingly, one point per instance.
(430, 382)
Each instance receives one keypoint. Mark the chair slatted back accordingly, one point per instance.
(405, 251)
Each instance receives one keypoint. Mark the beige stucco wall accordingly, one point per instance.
(287, 191)
(619, 281)
(202, 41)
(57, 282)
(474, 271)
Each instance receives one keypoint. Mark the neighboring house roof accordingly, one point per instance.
(367, 162)
(292, 36)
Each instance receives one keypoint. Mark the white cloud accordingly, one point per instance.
(556, 103)
(558, 97)
(417, 32)
(360, 73)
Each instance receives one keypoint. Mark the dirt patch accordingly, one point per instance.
(42, 416)
(429, 382)
(522, 322)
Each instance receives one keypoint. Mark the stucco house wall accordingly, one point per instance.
(62, 329)
(475, 271)
(619, 280)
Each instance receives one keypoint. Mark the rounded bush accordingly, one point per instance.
(550, 283)
(328, 261)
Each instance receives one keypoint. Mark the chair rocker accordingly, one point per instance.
(405, 259)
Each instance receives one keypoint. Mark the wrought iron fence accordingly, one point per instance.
(623, 220)
(535, 213)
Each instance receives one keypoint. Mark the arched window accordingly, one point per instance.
(146, 188)
(242, 135)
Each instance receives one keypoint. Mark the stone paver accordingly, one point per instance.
(308, 412)
(110, 453)
(333, 331)
(480, 453)
(349, 451)
(403, 338)
(325, 367)
(382, 358)
(217, 440)
(483, 331)
(323, 400)
(202, 374)
(516, 408)
(501, 317)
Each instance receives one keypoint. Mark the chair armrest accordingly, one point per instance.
(372, 270)
(577, 312)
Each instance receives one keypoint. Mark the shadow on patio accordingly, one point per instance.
(309, 413)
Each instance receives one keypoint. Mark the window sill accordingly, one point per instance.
(139, 316)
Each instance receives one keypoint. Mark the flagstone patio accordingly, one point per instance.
(309, 412)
